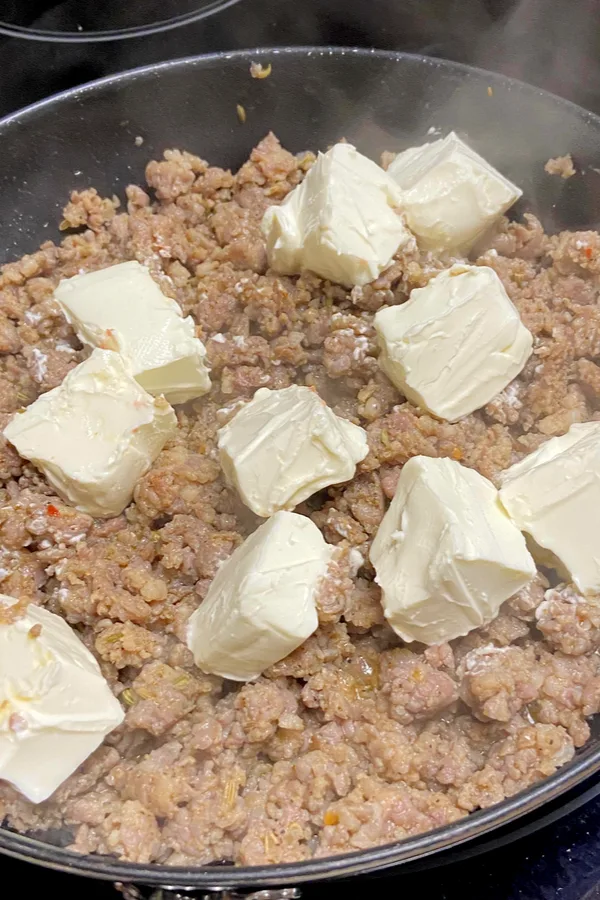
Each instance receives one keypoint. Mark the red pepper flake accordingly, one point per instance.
(110, 342)
(588, 252)
(52, 510)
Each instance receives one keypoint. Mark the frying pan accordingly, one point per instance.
(314, 96)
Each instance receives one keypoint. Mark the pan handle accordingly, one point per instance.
(137, 892)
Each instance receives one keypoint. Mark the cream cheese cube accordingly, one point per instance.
(554, 496)
(455, 343)
(341, 222)
(122, 308)
(283, 446)
(55, 706)
(450, 194)
(95, 435)
(446, 554)
(262, 602)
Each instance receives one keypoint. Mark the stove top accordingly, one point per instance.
(75, 21)
(552, 43)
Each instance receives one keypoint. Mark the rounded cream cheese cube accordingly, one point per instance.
(554, 496)
(450, 194)
(121, 308)
(55, 705)
(446, 555)
(341, 222)
(455, 344)
(261, 604)
(94, 435)
(283, 446)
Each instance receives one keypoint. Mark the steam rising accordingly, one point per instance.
(553, 45)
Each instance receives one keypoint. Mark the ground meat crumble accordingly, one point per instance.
(561, 165)
(353, 740)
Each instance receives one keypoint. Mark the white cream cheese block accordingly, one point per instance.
(450, 194)
(285, 445)
(554, 496)
(122, 308)
(261, 604)
(341, 222)
(55, 706)
(446, 554)
(95, 435)
(455, 344)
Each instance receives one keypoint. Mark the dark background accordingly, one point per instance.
(552, 43)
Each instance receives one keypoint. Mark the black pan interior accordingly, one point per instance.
(377, 100)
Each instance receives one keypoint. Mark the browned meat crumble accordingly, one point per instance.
(353, 740)
(561, 165)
